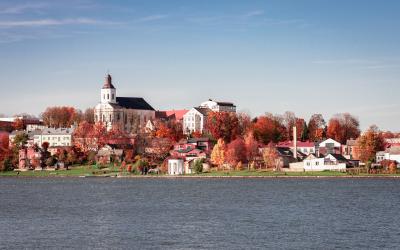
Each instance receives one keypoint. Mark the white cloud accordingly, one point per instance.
(254, 13)
(18, 9)
(49, 22)
(152, 18)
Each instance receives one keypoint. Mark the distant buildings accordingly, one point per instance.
(195, 119)
(128, 113)
(218, 106)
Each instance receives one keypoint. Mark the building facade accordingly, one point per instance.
(127, 113)
(219, 106)
(195, 120)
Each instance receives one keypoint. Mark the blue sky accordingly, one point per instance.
(306, 56)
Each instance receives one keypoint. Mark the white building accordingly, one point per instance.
(329, 146)
(56, 137)
(392, 154)
(176, 167)
(332, 162)
(128, 113)
(195, 120)
(218, 106)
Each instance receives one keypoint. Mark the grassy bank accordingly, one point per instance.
(89, 171)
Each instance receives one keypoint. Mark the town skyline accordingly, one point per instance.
(265, 56)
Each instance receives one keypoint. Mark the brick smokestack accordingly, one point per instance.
(295, 142)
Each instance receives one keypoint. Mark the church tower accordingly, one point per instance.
(108, 92)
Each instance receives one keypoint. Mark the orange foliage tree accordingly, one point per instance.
(268, 129)
(368, 144)
(342, 127)
(316, 127)
(218, 153)
(61, 116)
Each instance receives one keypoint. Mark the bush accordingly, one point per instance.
(198, 166)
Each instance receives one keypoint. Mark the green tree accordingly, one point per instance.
(198, 166)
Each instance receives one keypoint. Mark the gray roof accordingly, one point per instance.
(203, 111)
(57, 131)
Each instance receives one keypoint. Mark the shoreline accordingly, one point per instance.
(211, 177)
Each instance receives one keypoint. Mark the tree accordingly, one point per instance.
(316, 127)
(18, 124)
(271, 157)
(223, 125)
(289, 121)
(335, 130)
(245, 124)
(198, 166)
(251, 147)
(268, 129)
(20, 140)
(343, 127)
(44, 154)
(218, 153)
(61, 116)
(4, 146)
(368, 144)
(88, 115)
(236, 152)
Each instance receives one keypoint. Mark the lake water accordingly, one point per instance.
(199, 213)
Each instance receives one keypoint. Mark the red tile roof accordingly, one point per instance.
(301, 144)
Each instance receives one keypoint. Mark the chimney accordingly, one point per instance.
(295, 142)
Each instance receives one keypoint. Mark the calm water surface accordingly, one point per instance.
(199, 213)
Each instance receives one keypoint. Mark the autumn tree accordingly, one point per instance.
(269, 128)
(18, 124)
(218, 153)
(4, 149)
(88, 116)
(58, 117)
(251, 147)
(289, 121)
(245, 124)
(342, 127)
(223, 125)
(271, 157)
(316, 127)
(368, 144)
(236, 152)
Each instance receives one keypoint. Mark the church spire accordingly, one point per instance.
(108, 83)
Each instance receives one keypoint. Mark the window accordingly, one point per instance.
(317, 163)
(108, 96)
(112, 96)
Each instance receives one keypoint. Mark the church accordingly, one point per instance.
(128, 113)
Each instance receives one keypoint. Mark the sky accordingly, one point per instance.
(305, 56)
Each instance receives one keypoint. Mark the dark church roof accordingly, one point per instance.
(108, 83)
(133, 103)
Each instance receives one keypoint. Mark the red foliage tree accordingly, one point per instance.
(342, 127)
(236, 152)
(223, 125)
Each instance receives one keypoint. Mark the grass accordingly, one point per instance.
(73, 171)
(76, 171)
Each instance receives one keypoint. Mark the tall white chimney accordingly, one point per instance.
(295, 142)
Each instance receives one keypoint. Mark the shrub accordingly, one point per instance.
(198, 166)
